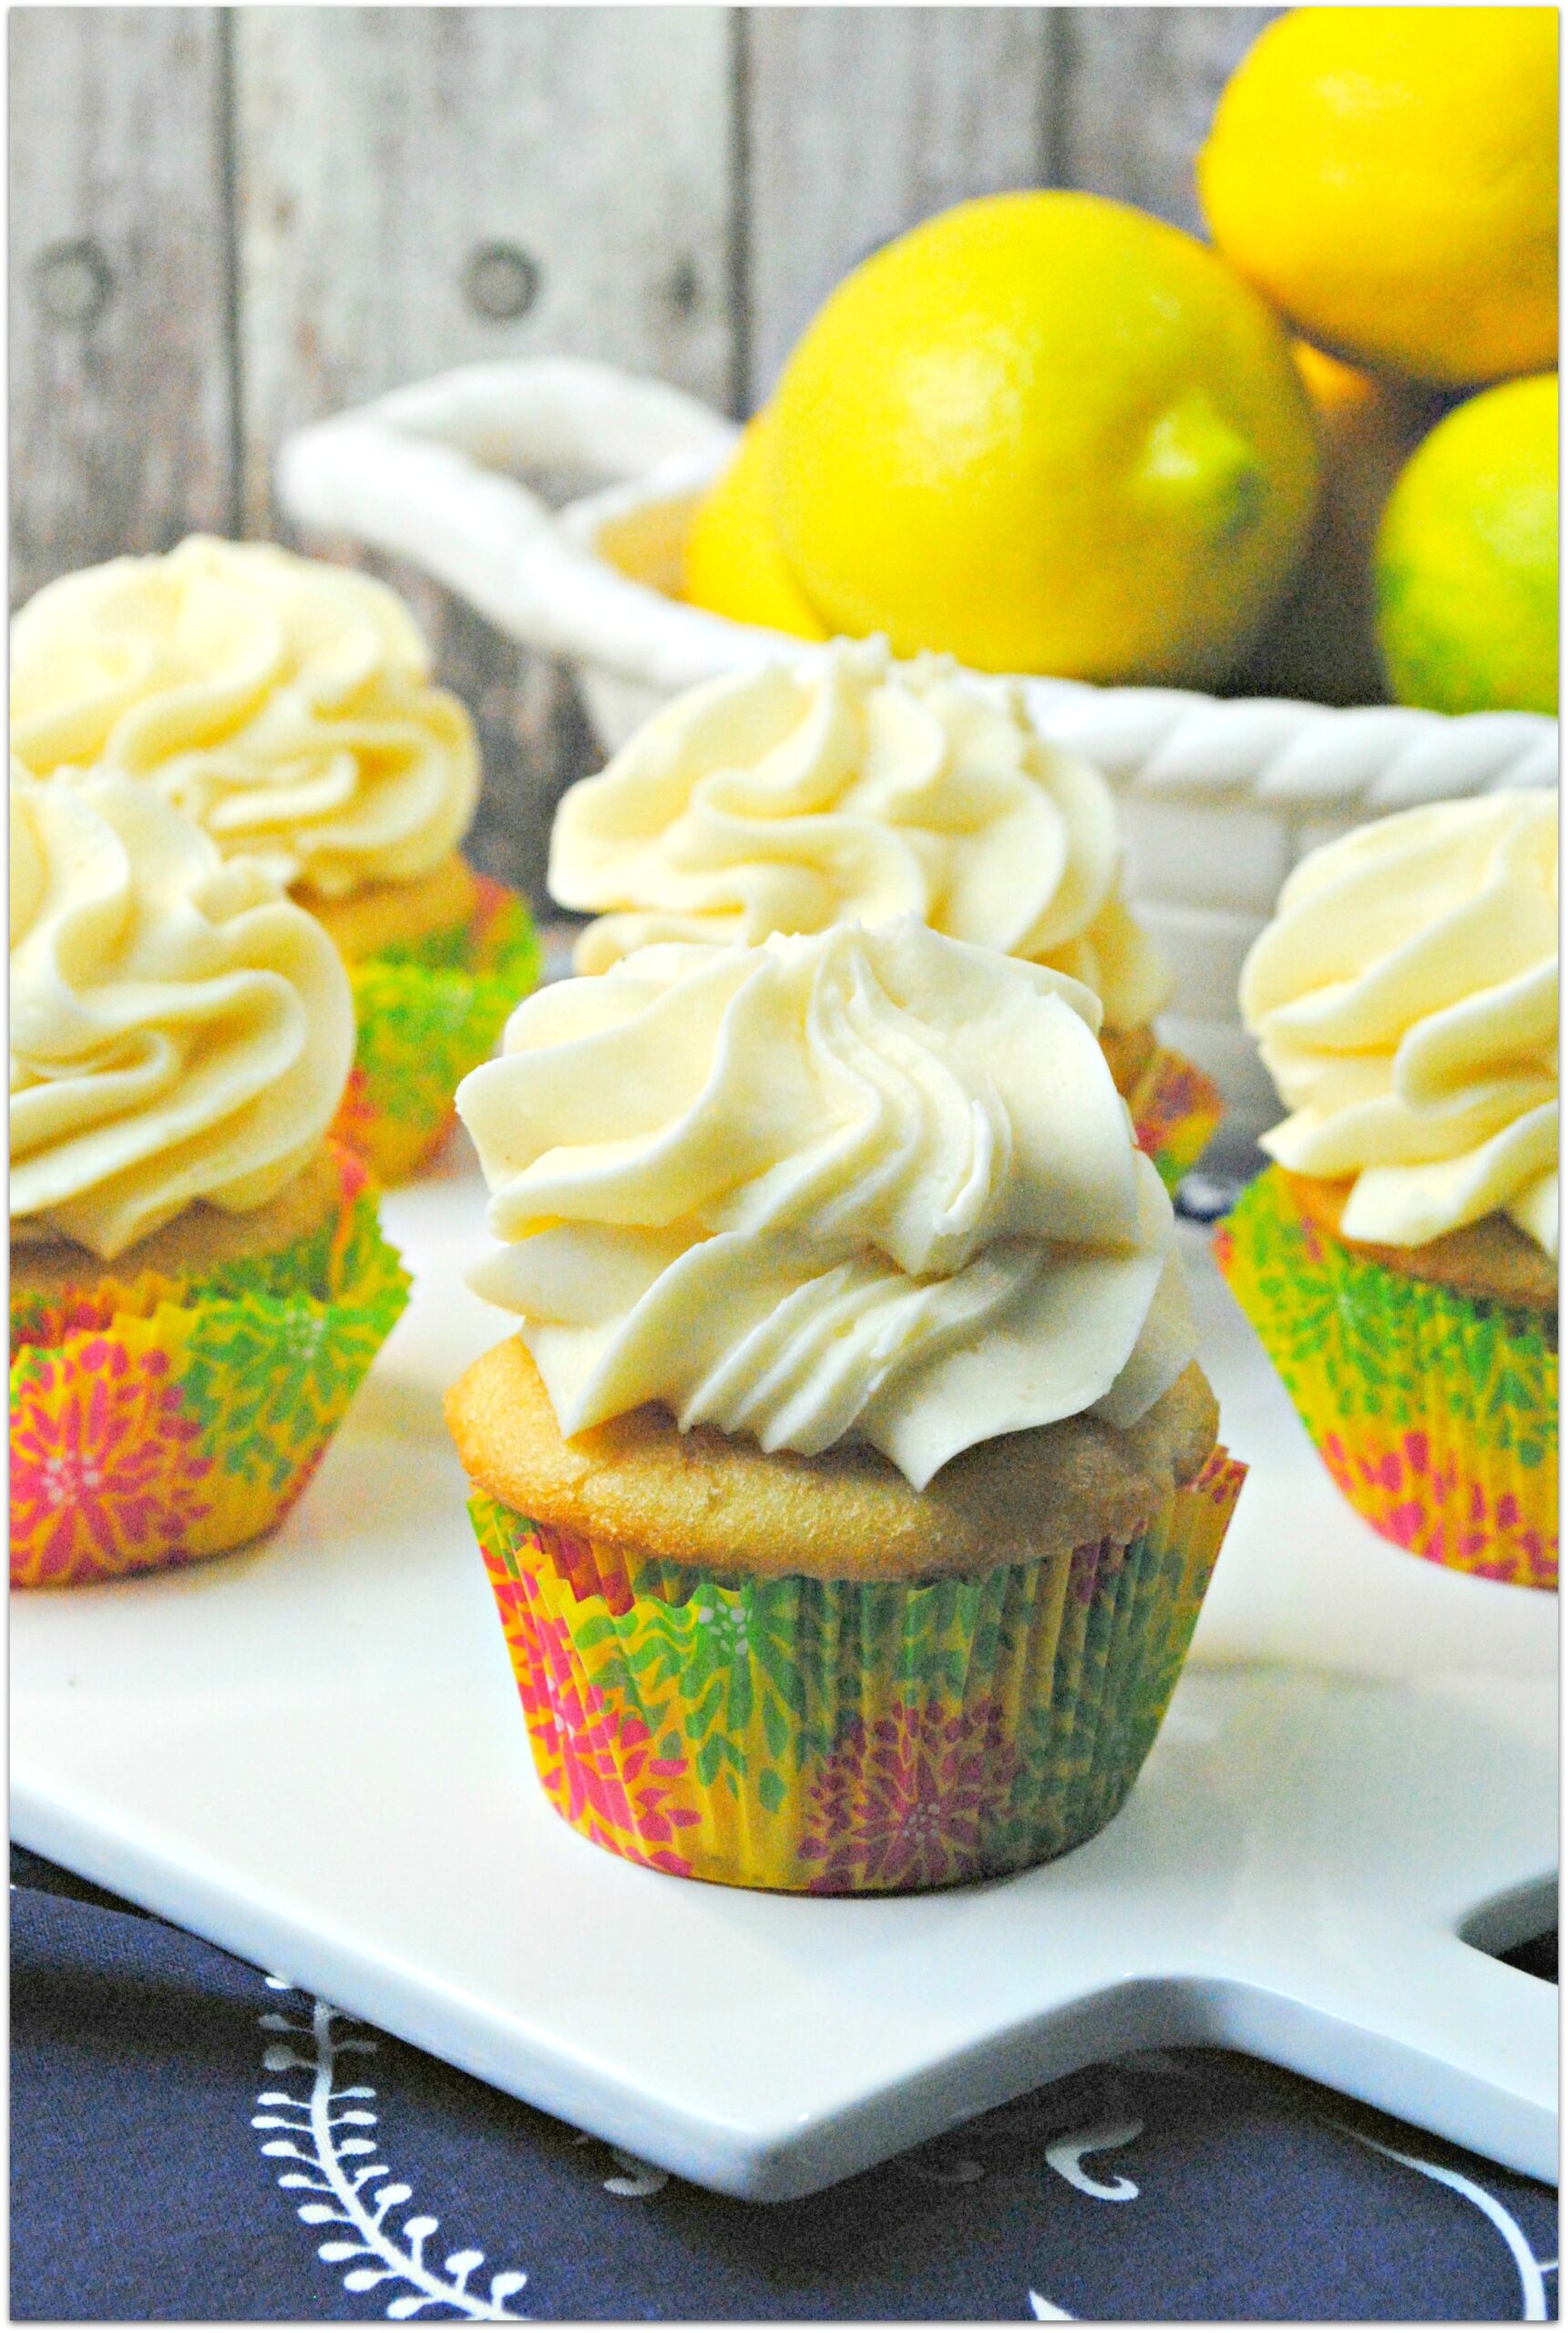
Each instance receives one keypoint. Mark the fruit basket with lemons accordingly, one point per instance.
(1265, 527)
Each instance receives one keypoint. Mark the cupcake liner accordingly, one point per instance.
(427, 1013)
(833, 1737)
(1436, 1413)
(1176, 1109)
(156, 1421)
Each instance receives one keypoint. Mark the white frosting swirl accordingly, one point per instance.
(874, 1185)
(1405, 1002)
(285, 703)
(180, 1028)
(853, 791)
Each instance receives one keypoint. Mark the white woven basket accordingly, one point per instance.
(1219, 797)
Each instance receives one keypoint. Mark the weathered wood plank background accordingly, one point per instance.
(227, 221)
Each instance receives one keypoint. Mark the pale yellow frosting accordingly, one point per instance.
(1405, 1002)
(853, 791)
(872, 1185)
(180, 1028)
(285, 703)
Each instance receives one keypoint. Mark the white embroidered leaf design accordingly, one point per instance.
(636, 2177)
(1532, 2271)
(386, 2254)
(1066, 2155)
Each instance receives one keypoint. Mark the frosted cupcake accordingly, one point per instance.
(859, 789)
(849, 1490)
(1399, 1261)
(198, 1281)
(286, 705)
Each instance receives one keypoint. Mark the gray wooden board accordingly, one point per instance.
(1139, 90)
(424, 186)
(121, 421)
(861, 122)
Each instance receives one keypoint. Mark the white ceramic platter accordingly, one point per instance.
(311, 1753)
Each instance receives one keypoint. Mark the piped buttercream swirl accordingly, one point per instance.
(870, 1185)
(853, 791)
(1405, 1002)
(283, 702)
(180, 1028)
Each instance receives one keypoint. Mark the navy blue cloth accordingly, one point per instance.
(192, 2141)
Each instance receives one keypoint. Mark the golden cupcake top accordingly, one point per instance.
(180, 1030)
(860, 1186)
(1405, 1002)
(855, 790)
(283, 702)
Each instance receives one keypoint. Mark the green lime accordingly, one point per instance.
(1466, 562)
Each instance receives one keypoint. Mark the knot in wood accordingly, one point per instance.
(73, 281)
(501, 282)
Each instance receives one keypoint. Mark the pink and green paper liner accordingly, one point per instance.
(844, 1738)
(427, 1013)
(1176, 1111)
(157, 1421)
(1436, 1413)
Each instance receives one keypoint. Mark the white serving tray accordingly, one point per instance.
(311, 1753)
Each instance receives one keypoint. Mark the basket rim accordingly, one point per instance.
(432, 472)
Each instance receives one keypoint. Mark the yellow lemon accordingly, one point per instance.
(1320, 643)
(1467, 559)
(733, 564)
(1045, 432)
(1388, 177)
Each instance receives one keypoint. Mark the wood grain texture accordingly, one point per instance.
(859, 122)
(122, 434)
(1137, 92)
(424, 186)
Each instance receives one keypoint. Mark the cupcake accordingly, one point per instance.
(857, 789)
(286, 705)
(1399, 1258)
(849, 1488)
(198, 1280)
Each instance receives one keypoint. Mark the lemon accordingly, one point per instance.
(733, 564)
(1467, 559)
(1388, 177)
(1045, 433)
(1321, 643)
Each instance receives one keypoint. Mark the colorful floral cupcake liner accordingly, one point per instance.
(839, 1738)
(427, 1013)
(1436, 1413)
(157, 1421)
(1176, 1111)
